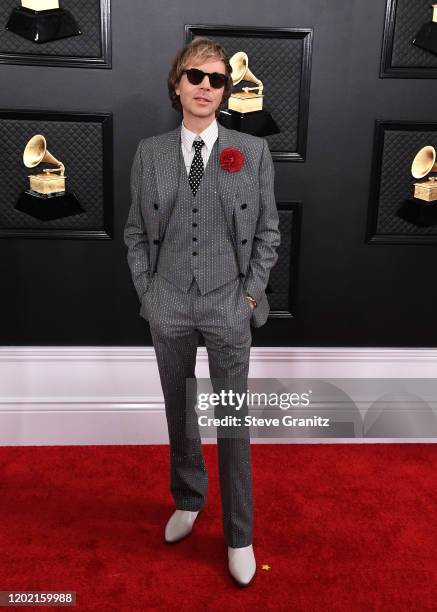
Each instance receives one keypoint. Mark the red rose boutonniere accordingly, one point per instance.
(231, 159)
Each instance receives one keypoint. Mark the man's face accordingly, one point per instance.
(201, 100)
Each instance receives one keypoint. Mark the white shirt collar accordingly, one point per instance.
(209, 136)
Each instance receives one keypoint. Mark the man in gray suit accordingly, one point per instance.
(202, 235)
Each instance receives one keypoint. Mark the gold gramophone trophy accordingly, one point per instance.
(421, 209)
(245, 111)
(423, 164)
(48, 181)
(426, 38)
(247, 100)
(46, 199)
(42, 21)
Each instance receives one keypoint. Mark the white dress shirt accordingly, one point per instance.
(209, 136)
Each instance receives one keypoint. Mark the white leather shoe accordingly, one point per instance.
(179, 525)
(242, 564)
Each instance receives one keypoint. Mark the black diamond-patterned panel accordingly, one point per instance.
(410, 16)
(397, 183)
(78, 145)
(88, 44)
(277, 62)
(281, 274)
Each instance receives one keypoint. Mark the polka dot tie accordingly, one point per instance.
(196, 168)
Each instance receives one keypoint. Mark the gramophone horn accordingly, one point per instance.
(36, 153)
(239, 63)
(240, 69)
(424, 162)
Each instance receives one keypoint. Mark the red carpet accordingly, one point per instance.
(342, 527)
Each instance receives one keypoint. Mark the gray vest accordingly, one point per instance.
(197, 241)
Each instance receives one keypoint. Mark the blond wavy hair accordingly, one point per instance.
(196, 52)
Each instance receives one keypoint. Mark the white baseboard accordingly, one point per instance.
(94, 395)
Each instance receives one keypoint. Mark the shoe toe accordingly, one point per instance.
(242, 564)
(243, 575)
(179, 525)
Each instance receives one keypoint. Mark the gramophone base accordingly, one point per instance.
(257, 123)
(48, 207)
(418, 212)
(42, 26)
(426, 38)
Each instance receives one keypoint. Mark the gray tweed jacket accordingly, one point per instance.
(247, 197)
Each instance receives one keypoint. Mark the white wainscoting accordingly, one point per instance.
(94, 395)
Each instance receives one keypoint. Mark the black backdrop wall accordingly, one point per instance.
(347, 293)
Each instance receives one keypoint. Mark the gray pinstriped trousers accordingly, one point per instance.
(222, 317)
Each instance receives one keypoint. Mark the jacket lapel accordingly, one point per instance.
(227, 182)
(166, 160)
(233, 187)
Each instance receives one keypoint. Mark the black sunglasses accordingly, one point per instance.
(196, 76)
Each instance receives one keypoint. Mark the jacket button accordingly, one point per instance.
(194, 224)
(194, 239)
(155, 206)
(194, 209)
(194, 252)
(156, 242)
(243, 206)
(241, 275)
(244, 241)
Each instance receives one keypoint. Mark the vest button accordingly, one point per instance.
(156, 242)
(194, 252)
(194, 224)
(244, 241)
(243, 206)
(194, 209)
(241, 275)
(155, 206)
(194, 239)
